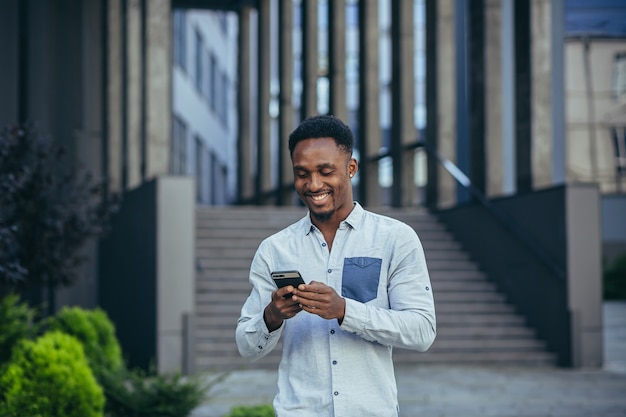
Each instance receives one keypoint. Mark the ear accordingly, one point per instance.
(353, 167)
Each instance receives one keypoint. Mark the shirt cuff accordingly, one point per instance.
(355, 317)
(265, 337)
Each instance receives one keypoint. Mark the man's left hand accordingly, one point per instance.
(320, 299)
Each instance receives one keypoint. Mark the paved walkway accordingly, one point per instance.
(456, 391)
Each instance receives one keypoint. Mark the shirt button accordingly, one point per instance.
(330, 270)
(260, 347)
(336, 393)
(324, 244)
(334, 362)
(332, 331)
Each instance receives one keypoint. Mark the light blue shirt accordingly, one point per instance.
(377, 264)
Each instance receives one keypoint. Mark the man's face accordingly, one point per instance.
(322, 173)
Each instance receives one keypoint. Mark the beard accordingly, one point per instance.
(324, 216)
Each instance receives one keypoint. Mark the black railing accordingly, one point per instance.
(508, 223)
(530, 243)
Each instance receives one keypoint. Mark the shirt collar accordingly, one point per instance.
(353, 220)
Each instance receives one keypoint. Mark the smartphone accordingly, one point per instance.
(284, 278)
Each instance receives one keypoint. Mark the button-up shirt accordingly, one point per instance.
(329, 369)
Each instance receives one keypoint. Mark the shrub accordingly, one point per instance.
(264, 410)
(50, 377)
(137, 394)
(614, 278)
(96, 332)
(17, 321)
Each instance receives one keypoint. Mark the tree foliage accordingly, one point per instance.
(49, 208)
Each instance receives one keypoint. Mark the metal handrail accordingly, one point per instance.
(518, 232)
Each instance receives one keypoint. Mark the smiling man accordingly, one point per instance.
(367, 290)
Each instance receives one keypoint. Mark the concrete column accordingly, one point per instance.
(245, 182)
(369, 103)
(286, 116)
(133, 92)
(584, 277)
(403, 103)
(9, 71)
(446, 64)
(509, 132)
(557, 91)
(337, 61)
(493, 98)
(175, 255)
(158, 87)
(264, 156)
(114, 92)
(541, 108)
(310, 57)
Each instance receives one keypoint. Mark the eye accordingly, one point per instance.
(327, 173)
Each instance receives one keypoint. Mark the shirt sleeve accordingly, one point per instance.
(254, 340)
(409, 322)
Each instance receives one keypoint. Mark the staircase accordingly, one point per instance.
(475, 325)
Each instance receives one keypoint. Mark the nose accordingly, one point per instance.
(316, 182)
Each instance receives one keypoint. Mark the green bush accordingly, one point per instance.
(17, 321)
(614, 278)
(264, 410)
(128, 393)
(96, 332)
(50, 377)
(137, 394)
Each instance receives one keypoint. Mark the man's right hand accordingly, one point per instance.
(280, 308)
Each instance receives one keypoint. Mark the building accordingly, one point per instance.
(204, 108)
(160, 106)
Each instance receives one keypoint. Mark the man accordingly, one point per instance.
(368, 290)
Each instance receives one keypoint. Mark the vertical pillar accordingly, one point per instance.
(432, 101)
(509, 102)
(523, 95)
(337, 61)
(402, 103)
(557, 89)
(133, 92)
(114, 96)
(14, 64)
(263, 174)
(369, 103)
(446, 65)
(310, 58)
(462, 109)
(541, 80)
(476, 93)
(584, 276)
(285, 117)
(494, 112)
(245, 185)
(158, 87)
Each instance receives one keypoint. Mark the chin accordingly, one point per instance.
(323, 216)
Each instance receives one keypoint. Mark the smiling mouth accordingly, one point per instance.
(319, 197)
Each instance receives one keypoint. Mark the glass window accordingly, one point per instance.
(178, 154)
(199, 61)
(180, 39)
(213, 84)
(619, 76)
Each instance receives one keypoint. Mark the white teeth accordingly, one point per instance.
(318, 197)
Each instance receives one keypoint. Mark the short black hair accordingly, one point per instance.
(323, 126)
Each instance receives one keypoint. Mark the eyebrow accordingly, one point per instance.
(320, 166)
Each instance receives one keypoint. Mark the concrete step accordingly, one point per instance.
(475, 325)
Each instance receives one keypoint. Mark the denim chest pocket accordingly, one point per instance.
(360, 278)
